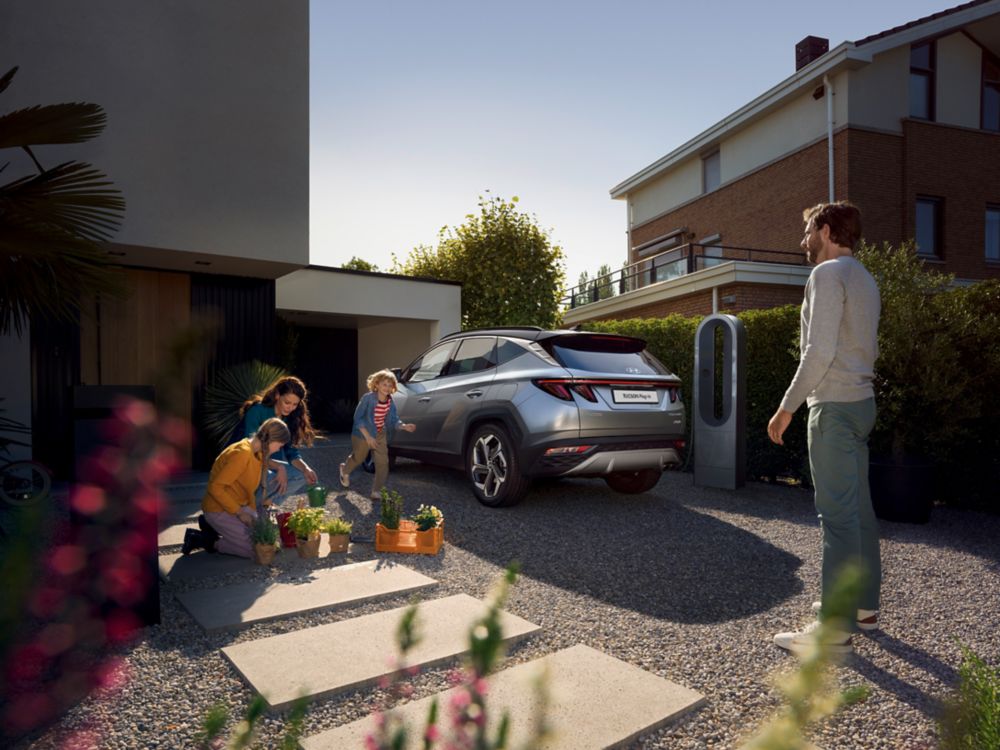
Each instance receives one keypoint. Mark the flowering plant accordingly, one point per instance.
(427, 517)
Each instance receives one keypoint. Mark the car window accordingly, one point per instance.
(474, 355)
(605, 354)
(429, 366)
(507, 350)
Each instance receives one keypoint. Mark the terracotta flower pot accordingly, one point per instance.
(309, 547)
(339, 542)
(263, 554)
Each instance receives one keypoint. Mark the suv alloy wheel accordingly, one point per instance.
(493, 467)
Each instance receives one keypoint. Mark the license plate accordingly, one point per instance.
(623, 396)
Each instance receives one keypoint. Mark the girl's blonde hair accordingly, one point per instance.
(273, 430)
(377, 377)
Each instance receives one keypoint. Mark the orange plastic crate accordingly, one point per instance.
(408, 539)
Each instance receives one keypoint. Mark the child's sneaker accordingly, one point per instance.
(345, 481)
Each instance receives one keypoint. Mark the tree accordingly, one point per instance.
(357, 264)
(53, 222)
(603, 282)
(511, 273)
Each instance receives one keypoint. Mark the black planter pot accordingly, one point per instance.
(902, 490)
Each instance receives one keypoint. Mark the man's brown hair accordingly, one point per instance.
(843, 218)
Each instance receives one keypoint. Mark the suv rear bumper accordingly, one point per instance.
(605, 456)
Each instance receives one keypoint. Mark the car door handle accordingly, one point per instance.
(474, 394)
(424, 399)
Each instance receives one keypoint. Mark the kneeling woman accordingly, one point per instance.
(228, 504)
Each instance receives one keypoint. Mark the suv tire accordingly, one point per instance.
(494, 468)
(633, 482)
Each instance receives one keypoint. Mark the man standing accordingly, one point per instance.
(839, 325)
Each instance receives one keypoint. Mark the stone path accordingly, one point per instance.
(595, 700)
(351, 654)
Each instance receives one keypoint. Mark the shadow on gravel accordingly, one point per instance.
(645, 553)
(904, 691)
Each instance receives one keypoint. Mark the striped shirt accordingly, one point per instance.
(381, 412)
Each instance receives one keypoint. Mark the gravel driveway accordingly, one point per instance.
(689, 584)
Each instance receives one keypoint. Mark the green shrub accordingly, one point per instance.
(264, 530)
(972, 717)
(772, 356)
(337, 526)
(391, 508)
(304, 522)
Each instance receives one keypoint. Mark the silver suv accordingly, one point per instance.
(507, 405)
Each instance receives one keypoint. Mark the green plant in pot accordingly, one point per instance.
(390, 509)
(340, 533)
(923, 392)
(264, 536)
(427, 517)
(306, 524)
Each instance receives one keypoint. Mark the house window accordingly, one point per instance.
(928, 226)
(991, 95)
(922, 59)
(993, 233)
(711, 172)
(711, 251)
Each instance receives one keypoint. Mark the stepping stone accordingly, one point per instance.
(200, 564)
(173, 535)
(595, 701)
(356, 653)
(242, 604)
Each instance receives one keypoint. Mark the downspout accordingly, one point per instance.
(829, 133)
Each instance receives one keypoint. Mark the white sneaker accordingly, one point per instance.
(344, 479)
(867, 619)
(802, 641)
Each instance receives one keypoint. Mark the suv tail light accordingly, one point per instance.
(563, 388)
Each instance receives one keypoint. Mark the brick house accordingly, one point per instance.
(905, 123)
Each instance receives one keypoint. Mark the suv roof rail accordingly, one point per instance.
(493, 329)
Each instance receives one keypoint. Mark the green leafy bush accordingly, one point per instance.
(337, 526)
(304, 522)
(972, 717)
(264, 530)
(427, 517)
(390, 509)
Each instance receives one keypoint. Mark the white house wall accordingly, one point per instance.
(393, 343)
(784, 131)
(879, 93)
(959, 72)
(681, 184)
(208, 113)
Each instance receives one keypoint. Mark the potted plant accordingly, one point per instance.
(427, 517)
(340, 533)
(264, 535)
(390, 509)
(306, 524)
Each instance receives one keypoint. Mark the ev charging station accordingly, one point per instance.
(720, 433)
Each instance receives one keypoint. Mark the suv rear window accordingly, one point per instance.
(596, 353)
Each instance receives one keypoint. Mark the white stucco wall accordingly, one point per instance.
(15, 387)
(785, 130)
(879, 93)
(357, 294)
(959, 81)
(393, 343)
(208, 113)
(682, 184)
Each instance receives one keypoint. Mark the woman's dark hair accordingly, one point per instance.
(843, 218)
(299, 424)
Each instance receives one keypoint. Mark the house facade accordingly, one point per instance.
(904, 123)
(207, 138)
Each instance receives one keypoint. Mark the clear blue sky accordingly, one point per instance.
(417, 108)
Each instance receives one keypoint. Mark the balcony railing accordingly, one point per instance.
(671, 264)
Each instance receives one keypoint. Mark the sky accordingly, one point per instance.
(419, 108)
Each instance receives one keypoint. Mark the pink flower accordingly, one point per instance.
(87, 499)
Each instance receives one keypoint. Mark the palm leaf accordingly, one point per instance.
(7, 78)
(225, 396)
(72, 122)
(73, 197)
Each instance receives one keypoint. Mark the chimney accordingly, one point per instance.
(809, 49)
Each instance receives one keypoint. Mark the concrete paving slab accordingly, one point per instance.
(241, 604)
(355, 653)
(173, 535)
(200, 565)
(595, 701)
